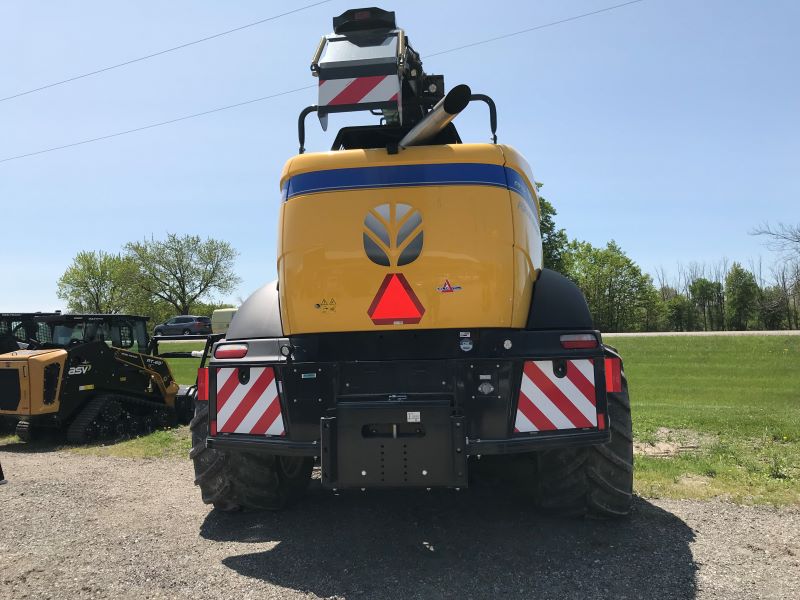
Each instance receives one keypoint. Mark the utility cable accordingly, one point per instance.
(151, 126)
(292, 91)
(536, 28)
(160, 52)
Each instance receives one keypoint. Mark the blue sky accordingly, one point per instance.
(671, 126)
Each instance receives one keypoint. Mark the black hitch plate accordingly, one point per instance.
(409, 443)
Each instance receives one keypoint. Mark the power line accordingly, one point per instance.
(536, 28)
(160, 52)
(151, 126)
(292, 91)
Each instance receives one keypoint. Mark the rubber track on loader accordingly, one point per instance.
(76, 432)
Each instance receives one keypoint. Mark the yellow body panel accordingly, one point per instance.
(527, 239)
(30, 366)
(481, 239)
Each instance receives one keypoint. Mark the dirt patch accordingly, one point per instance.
(672, 442)
(694, 481)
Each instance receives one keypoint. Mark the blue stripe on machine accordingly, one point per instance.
(333, 180)
(516, 183)
(396, 176)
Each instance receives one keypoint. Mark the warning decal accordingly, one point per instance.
(395, 303)
(448, 288)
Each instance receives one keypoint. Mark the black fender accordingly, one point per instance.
(558, 303)
(259, 316)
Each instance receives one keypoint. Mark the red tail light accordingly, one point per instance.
(231, 351)
(575, 341)
(202, 384)
(613, 375)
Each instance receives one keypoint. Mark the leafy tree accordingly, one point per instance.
(708, 298)
(679, 309)
(787, 279)
(158, 310)
(654, 307)
(98, 282)
(620, 296)
(772, 303)
(741, 293)
(182, 271)
(554, 241)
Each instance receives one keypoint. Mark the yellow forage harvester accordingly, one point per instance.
(413, 326)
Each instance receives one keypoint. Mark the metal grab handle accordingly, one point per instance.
(301, 125)
(492, 112)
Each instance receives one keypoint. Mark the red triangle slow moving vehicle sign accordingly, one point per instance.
(395, 303)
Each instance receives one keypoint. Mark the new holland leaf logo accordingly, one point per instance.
(393, 234)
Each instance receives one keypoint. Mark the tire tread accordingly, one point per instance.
(595, 481)
(231, 480)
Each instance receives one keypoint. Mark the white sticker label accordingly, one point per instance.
(464, 334)
(412, 417)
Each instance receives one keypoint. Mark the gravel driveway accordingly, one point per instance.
(90, 527)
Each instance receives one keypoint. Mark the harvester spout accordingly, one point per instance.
(439, 117)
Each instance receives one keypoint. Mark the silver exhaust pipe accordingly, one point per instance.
(439, 117)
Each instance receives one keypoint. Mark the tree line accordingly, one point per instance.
(183, 274)
(154, 278)
(724, 296)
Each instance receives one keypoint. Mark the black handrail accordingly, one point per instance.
(492, 112)
(301, 120)
(301, 125)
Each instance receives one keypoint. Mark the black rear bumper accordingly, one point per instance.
(438, 459)
(516, 445)
(406, 408)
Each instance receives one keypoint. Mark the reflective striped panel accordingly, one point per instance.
(548, 402)
(253, 407)
(359, 90)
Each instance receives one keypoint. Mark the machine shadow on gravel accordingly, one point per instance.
(481, 542)
(47, 441)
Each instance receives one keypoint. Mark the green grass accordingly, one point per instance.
(169, 443)
(184, 370)
(736, 398)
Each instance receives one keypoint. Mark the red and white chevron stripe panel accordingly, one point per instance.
(548, 403)
(253, 407)
(359, 90)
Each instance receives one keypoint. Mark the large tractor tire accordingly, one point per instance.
(596, 481)
(234, 480)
